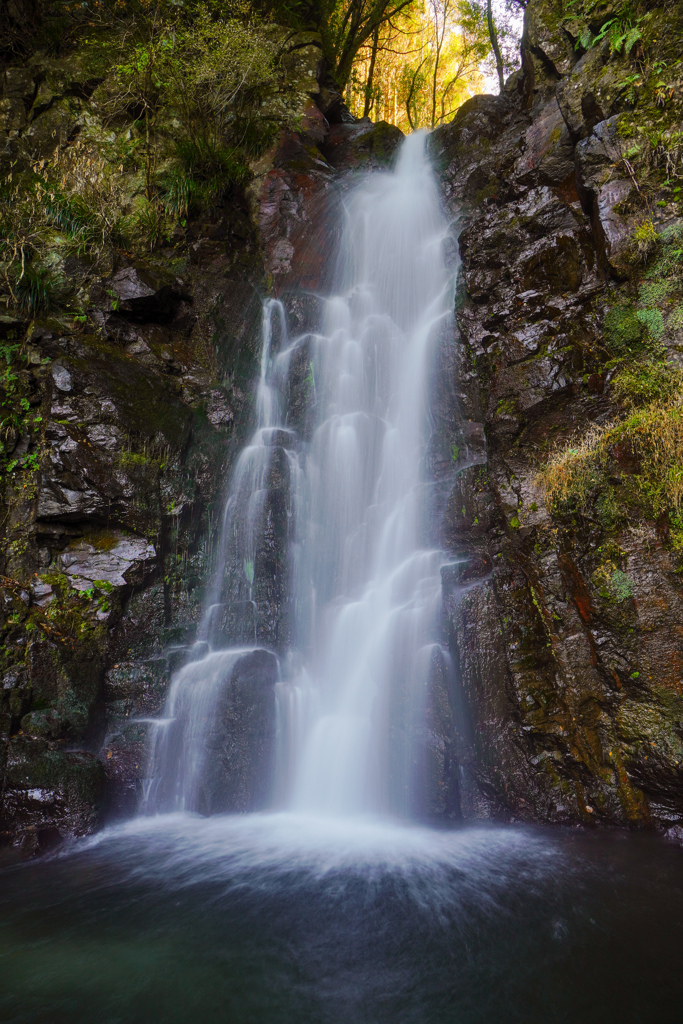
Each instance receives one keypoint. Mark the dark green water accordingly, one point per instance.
(286, 920)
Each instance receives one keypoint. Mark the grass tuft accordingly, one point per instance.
(652, 439)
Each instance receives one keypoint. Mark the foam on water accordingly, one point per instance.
(432, 869)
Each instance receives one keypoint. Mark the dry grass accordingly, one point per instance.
(653, 437)
(572, 472)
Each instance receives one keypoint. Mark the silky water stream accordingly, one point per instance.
(335, 906)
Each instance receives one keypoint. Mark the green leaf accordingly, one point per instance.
(585, 40)
(632, 38)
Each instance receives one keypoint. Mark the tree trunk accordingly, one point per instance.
(410, 95)
(371, 71)
(436, 72)
(493, 36)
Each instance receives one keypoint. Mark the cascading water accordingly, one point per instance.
(365, 591)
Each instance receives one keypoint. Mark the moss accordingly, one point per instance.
(670, 260)
(652, 292)
(623, 330)
(608, 509)
(652, 441)
(102, 540)
(612, 583)
(506, 407)
(641, 384)
(104, 585)
(78, 777)
(126, 459)
(653, 321)
(146, 404)
(489, 191)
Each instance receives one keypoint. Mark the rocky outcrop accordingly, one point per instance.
(129, 413)
(564, 620)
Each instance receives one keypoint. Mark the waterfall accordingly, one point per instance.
(365, 587)
(367, 593)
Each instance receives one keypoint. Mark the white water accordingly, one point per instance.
(366, 592)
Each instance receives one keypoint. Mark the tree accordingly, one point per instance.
(425, 63)
(493, 36)
(371, 72)
(351, 23)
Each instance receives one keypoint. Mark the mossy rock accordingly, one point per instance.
(145, 402)
(624, 331)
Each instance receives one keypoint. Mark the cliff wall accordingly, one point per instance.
(566, 621)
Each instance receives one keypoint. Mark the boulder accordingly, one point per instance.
(145, 294)
(363, 143)
(241, 744)
(113, 564)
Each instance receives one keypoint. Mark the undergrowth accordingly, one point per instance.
(650, 439)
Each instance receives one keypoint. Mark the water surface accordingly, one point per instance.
(288, 919)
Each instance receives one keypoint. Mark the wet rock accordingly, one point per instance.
(138, 408)
(362, 144)
(548, 151)
(61, 377)
(598, 158)
(547, 39)
(441, 797)
(569, 683)
(242, 744)
(576, 95)
(291, 204)
(50, 795)
(119, 557)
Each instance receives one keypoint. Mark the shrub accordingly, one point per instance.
(646, 241)
(207, 173)
(37, 289)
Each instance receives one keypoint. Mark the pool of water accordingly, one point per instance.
(284, 919)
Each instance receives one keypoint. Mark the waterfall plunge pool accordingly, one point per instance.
(290, 919)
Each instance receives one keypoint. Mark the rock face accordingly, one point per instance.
(564, 621)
